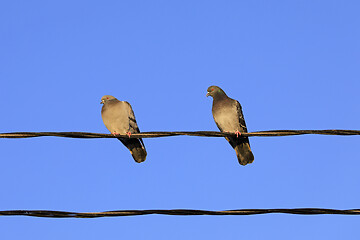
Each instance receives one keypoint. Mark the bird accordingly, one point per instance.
(228, 116)
(119, 118)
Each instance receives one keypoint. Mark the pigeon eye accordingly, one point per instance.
(107, 98)
(212, 89)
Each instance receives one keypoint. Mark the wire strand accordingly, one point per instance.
(178, 212)
(271, 133)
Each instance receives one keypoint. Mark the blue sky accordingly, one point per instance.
(291, 64)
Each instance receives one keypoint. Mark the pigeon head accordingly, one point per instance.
(106, 98)
(214, 91)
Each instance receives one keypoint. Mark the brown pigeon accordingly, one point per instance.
(228, 117)
(119, 118)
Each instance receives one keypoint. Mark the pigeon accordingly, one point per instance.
(228, 117)
(119, 118)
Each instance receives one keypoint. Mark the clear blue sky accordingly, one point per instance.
(291, 64)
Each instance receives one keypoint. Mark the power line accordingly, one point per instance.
(178, 212)
(271, 133)
(183, 212)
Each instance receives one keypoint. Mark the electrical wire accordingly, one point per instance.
(271, 133)
(178, 212)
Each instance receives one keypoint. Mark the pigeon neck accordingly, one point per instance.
(112, 100)
(219, 96)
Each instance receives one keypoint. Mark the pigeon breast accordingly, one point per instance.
(116, 117)
(226, 116)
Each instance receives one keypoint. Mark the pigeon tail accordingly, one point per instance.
(244, 154)
(137, 150)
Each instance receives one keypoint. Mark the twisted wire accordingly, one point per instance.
(178, 212)
(183, 212)
(270, 133)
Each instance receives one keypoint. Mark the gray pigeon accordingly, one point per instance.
(119, 118)
(228, 117)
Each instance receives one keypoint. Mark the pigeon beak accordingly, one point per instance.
(102, 102)
(208, 94)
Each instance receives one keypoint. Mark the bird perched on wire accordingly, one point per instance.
(119, 118)
(229, 117)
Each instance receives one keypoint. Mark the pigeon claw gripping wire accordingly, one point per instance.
(237, 133)
(129, 134)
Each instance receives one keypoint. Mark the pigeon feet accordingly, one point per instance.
(115, 133)
(237, 133)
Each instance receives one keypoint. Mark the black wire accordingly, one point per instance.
(270, 133)
(182, 212)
